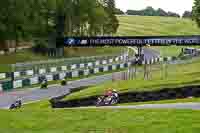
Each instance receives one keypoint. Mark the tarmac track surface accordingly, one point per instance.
(193, 106)
(7, 98)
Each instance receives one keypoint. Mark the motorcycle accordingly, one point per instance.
(105, 101)
(16, 105)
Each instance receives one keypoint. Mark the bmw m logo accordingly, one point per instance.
(71, 41)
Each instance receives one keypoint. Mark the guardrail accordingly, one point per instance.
(104, 66)
(60, 68)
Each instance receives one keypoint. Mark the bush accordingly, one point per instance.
(43, 85)
(174, 58)
(185, 57)
(63, 82)
(40, 46)
(165, 59)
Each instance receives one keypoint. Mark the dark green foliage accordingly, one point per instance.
(21, 19)
(63, 82)
(149, 11)
(196, 12)
(187, 14)
(40, 46)
(118, 11)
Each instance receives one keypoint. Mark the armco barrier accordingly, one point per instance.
(7, 85)
(63, 73)
(26, 82)
(34, 80)
(51, 69)
(86, 72)
(91, 71)
(57, 76)
(1, 88)
(74, 74)
(105, 68)
(96, 70)
(17, 84)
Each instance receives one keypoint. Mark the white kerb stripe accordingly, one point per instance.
(64, 68)
(2, 75)
(53, 69)
(42, 71)
(34, 80)
(49, 77)
(73, 66)
(75, 74)
(96, 70)
(82, 65)
(29, 72)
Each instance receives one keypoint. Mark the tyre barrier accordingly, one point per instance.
(128, 97)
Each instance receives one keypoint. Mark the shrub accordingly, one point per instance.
(63, 82)
(40, 46)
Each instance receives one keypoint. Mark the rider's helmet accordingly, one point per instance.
(19, 99)
(114, 90)
(108, 92)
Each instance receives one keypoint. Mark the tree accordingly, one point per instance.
(187, 14)
(43, 19)
(196, 12)
(118, 11)
(161, 12)
(149, 11)
(172, 14)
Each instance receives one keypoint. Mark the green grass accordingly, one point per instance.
(178, 76)
(166, 51)
(28, 55)
(39, 120)
(152, 25)
(21, 56)
(97, 51)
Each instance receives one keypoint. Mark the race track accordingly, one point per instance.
(7, 98)
(193, 106)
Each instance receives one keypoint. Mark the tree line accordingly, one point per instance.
(27, 20)
(150, 11)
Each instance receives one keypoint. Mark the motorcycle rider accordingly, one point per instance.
(18, 102)
(112, 93)
(115, 95)
(44, 82)
(108, 92)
